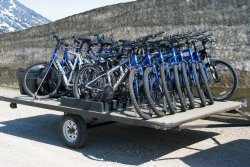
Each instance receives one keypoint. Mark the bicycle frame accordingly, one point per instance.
(77, 62)
(169, 61)
(132, 63)
(107, 74)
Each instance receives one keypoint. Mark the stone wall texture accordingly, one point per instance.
(229, 20)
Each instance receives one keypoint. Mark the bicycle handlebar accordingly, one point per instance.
(150, 36)
(55, 35)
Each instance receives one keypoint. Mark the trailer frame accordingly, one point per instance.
(90, 118)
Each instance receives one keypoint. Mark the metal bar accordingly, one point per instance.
(243, 114)
(100, 124)
(214, 126)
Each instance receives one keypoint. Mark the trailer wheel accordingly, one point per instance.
(73, 130)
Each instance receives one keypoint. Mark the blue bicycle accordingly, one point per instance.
(44, 80)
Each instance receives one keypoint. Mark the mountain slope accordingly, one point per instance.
(15, 16)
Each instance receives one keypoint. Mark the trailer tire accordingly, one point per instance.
(73, 130)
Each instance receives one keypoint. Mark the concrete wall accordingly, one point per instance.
(227, 19)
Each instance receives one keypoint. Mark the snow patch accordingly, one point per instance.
(15, 17)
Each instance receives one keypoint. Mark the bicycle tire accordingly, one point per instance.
(198, 86)
(178, 88)
(149, 94)
(75, 85)
(134, 102)
(233, 75)
(187, 86)
(205, 85)
(28, 88)
(166, 90)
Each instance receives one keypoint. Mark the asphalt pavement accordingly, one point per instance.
(29, 137)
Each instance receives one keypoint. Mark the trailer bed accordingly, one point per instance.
(125, 116)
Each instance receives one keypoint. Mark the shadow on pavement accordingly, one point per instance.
(235, 153)
(115, 143)
(228, 119)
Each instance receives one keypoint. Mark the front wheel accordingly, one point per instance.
(166, 88)
(196, 83)
(137, 95)
(204, 84)
(154, 93)
(178, 88)
(223, 79)
(186, 85)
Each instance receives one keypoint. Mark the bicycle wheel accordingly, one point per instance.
(154, 93)
(41, 81)
(86, 74)
(197, 85)
(204, 84)
(223, 80)
(178, 88)
(137, 95)
(166, 88)
(186, 85)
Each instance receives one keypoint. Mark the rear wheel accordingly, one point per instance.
(223, 80)
(41, 81)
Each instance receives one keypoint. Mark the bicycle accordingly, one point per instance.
(48, 77)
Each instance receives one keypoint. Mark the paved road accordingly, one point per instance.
(29, 137)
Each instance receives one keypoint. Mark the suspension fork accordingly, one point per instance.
(141, 72)
(182, 60)
(137, 81)
(192, 61)
(196, 68)
(206, 71)
(187, 71)
(156, 73)
(213, 70)
(169, 75)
